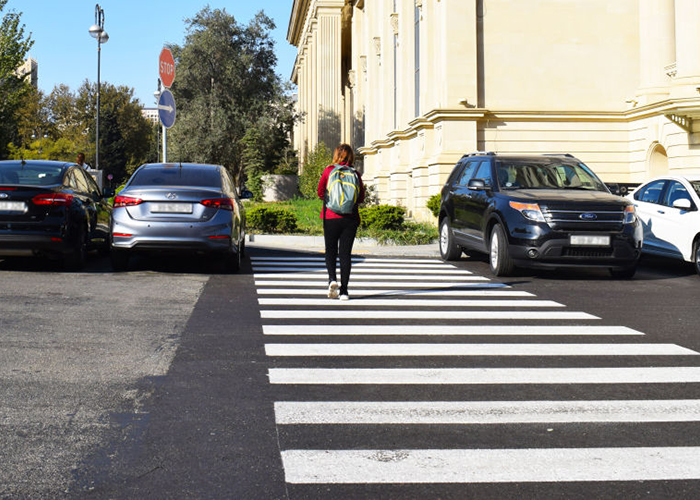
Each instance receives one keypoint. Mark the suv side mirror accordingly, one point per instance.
(479, 185)
(682, 204)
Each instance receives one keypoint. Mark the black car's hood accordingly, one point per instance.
(568, 195)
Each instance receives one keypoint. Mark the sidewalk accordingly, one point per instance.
(363, 246)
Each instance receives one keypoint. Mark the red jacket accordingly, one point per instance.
(330, 214)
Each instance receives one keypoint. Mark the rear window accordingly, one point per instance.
(31, 175)
(177, 176)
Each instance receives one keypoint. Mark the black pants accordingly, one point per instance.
(339, 235)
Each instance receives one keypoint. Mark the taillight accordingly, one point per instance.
(222, 203)
(126, 201)
(53, 199)
(5, 188)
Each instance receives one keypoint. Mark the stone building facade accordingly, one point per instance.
(414, 84)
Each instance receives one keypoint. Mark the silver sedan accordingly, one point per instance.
(178, 207)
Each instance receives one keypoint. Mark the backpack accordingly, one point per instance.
(342, 189)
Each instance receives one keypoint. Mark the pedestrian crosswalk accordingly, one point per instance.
(408, 353)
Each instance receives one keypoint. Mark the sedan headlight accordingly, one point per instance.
(630, 215)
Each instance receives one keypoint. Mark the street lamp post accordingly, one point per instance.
(98, 32)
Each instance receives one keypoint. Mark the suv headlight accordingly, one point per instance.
(530, 211)
(630, 215)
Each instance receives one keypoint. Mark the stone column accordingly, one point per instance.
(328, 74)
(687, 48)
(657, 49)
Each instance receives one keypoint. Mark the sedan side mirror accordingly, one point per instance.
(107, 192)
(682, 204)
(246, 194)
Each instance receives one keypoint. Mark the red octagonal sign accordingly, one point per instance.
(166, 67)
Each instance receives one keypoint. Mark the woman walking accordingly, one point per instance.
(340, 226)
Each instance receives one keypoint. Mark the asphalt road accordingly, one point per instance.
(160, 383)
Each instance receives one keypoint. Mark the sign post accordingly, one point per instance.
(166, 102)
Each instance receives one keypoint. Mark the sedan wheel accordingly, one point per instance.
(696, 253)
(448, 248)
(119, 260)
(75, 260)
(499, 259)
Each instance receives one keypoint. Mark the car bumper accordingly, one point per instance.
(22, 245)
(212, 236)
(555, 250)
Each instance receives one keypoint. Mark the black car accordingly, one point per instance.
(537, 211)
(52, 209)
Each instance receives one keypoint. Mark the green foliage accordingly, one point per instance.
(271, 220)
(433, 204)
(316, 161)
(382, 217)
(411, 233)
(226, 86)
(14, 47)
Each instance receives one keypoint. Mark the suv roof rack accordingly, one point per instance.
(479, 153)
(568, 155)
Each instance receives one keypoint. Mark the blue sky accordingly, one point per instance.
(138, 29)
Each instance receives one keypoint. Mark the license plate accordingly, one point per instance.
(13, 206)
(171, 208)
(587, 240)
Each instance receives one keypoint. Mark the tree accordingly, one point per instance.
(125, 135)
(14, 47)
(226, 86)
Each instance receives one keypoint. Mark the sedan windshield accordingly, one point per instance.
(30, 175)
(546, 174)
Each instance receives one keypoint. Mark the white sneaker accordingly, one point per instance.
(345, 296)
(333, 290)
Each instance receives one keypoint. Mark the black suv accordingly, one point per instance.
(538, 211)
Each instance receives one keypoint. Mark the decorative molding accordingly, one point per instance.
(352, 78)
(671, 70)
(363, 66)
(394, 20)
(684, 122)
(377, 46)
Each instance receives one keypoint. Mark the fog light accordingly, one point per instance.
(532, 253)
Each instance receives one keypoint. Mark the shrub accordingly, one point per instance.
(316, 161)
(410, 234)
(433, 204)
(271, 220)
(382, 217)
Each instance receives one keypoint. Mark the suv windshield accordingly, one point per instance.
(546, 174)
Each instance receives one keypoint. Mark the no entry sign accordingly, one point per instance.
(166, 67)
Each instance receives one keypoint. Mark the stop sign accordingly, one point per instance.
(166, 67)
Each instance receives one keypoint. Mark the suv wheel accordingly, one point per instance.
(448, 248)
(499, 259)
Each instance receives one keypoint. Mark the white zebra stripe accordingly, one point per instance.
(346, 313)
(366, 350)
(491, 465)
(484, 412)
(359, 278)
(354, 259)
(355, 265)
(477, 376)
(432, 330)
(441, 285)
(366, 302)
(400, 293)
(355, 272)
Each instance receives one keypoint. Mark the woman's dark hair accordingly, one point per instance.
(343, 154)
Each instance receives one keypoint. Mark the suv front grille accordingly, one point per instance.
(589, 218)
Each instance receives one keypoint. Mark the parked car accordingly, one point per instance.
(51, 209)
(668, 208)
(537, 211)
(178, 207)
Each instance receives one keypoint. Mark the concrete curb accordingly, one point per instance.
(365, 246)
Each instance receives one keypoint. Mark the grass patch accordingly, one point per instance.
(309, 223)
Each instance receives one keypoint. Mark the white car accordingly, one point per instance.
(669, 209)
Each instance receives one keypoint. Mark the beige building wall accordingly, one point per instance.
(418, 83)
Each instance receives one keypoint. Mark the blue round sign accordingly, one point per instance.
(166, 108)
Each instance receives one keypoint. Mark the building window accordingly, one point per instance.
(416, 50)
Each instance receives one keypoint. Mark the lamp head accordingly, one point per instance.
(96, 31)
